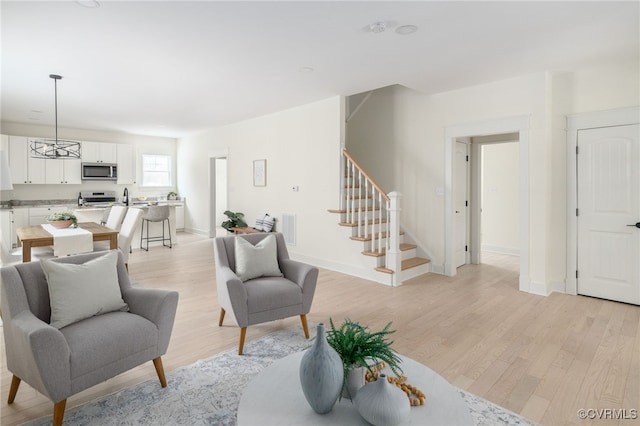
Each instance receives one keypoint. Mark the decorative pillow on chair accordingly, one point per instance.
(256, 261)
(79, 291)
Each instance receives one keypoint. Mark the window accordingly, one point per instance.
(156, 170)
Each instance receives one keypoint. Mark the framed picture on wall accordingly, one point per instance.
(259, 172)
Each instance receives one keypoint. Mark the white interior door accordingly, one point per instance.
(461, 204)
(608, 167)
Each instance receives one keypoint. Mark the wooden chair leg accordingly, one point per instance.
(13, 390)
(58, 412)
(157, 363)
(303, 318)
(221, 317)
(243, 333)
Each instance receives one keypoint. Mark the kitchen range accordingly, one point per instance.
(97, 198)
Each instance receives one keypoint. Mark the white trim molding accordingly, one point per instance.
(575, 123)
(519, 124)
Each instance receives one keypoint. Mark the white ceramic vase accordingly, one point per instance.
(355, 380)
(382, 403)
(321, 374)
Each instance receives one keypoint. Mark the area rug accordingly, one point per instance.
(208, 392)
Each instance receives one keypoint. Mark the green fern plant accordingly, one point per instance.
(358, 346)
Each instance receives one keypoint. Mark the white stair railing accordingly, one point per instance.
(368, 208)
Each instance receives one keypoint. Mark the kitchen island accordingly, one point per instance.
(95, 214)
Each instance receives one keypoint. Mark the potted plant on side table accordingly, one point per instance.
(235, 220)
(360, 349)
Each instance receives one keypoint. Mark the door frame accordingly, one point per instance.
(222, 153)
(575, 123)
(517, 124)
(468, 220)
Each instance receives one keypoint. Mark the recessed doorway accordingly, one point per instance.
(514, 126)
(218, 195)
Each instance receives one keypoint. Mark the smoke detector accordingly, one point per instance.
(378, 27)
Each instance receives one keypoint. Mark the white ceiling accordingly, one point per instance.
(173, 68)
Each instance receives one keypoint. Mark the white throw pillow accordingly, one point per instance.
(256, 261)
(267, 223)
(79, 291)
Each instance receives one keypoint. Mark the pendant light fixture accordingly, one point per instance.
(56, 149)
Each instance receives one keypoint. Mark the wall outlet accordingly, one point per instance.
(295, 188)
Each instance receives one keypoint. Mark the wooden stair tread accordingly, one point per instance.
(406, 264)
(403, 247)
(369, 209)
(413, 262)
(357, 197)
(370, 222)
(368, 237)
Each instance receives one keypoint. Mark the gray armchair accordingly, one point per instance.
(62, 362)
(265, 298)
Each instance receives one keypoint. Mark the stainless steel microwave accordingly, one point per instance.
(99, 171)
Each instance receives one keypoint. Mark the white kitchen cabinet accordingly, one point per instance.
(10, 221)
(4, 143)
(24, 168)
(39, 215)
(5, 231)
(63, 171)
(126, 164)
(180, 217)
(99, 152)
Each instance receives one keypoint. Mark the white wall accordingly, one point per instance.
(302, 148)
(500, 202)
(416, 150)
(409, 128)
(143, 145)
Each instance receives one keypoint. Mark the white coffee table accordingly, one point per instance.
(274, 397)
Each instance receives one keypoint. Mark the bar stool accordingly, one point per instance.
(156, 214)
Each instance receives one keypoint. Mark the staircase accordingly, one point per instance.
(371, 218)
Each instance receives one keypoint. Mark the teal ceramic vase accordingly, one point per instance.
(321, 374)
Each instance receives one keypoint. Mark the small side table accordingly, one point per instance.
(245, 230)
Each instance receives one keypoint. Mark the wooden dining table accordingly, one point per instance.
(37, 236)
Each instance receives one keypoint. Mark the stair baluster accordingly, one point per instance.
(374, 219)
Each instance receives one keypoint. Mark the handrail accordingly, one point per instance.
(366, 175)
(372, 214)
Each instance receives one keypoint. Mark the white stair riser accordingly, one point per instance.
(416, 271)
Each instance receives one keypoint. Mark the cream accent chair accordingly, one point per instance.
(114, 221)
(265, 298)
(132, 221)
(115, 218)
(62, 362)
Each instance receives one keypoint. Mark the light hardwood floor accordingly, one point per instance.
(542, 357)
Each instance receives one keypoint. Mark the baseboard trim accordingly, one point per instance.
(196, 231)
(538, 288)
(502, 250)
